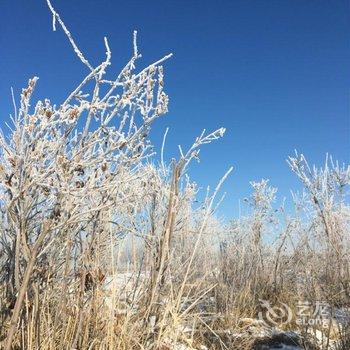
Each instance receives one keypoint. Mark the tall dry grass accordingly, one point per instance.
(102, 247)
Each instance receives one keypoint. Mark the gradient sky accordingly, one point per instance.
(276, 74)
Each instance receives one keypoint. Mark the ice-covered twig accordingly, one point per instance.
(68, 34)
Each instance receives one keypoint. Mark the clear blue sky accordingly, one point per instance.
(276, 74)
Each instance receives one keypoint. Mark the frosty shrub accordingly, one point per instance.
(75, 181)
(105, 246)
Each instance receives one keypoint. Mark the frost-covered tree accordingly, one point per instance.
(74, 178)
(325, 203)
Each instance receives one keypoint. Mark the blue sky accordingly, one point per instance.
(276, 74)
